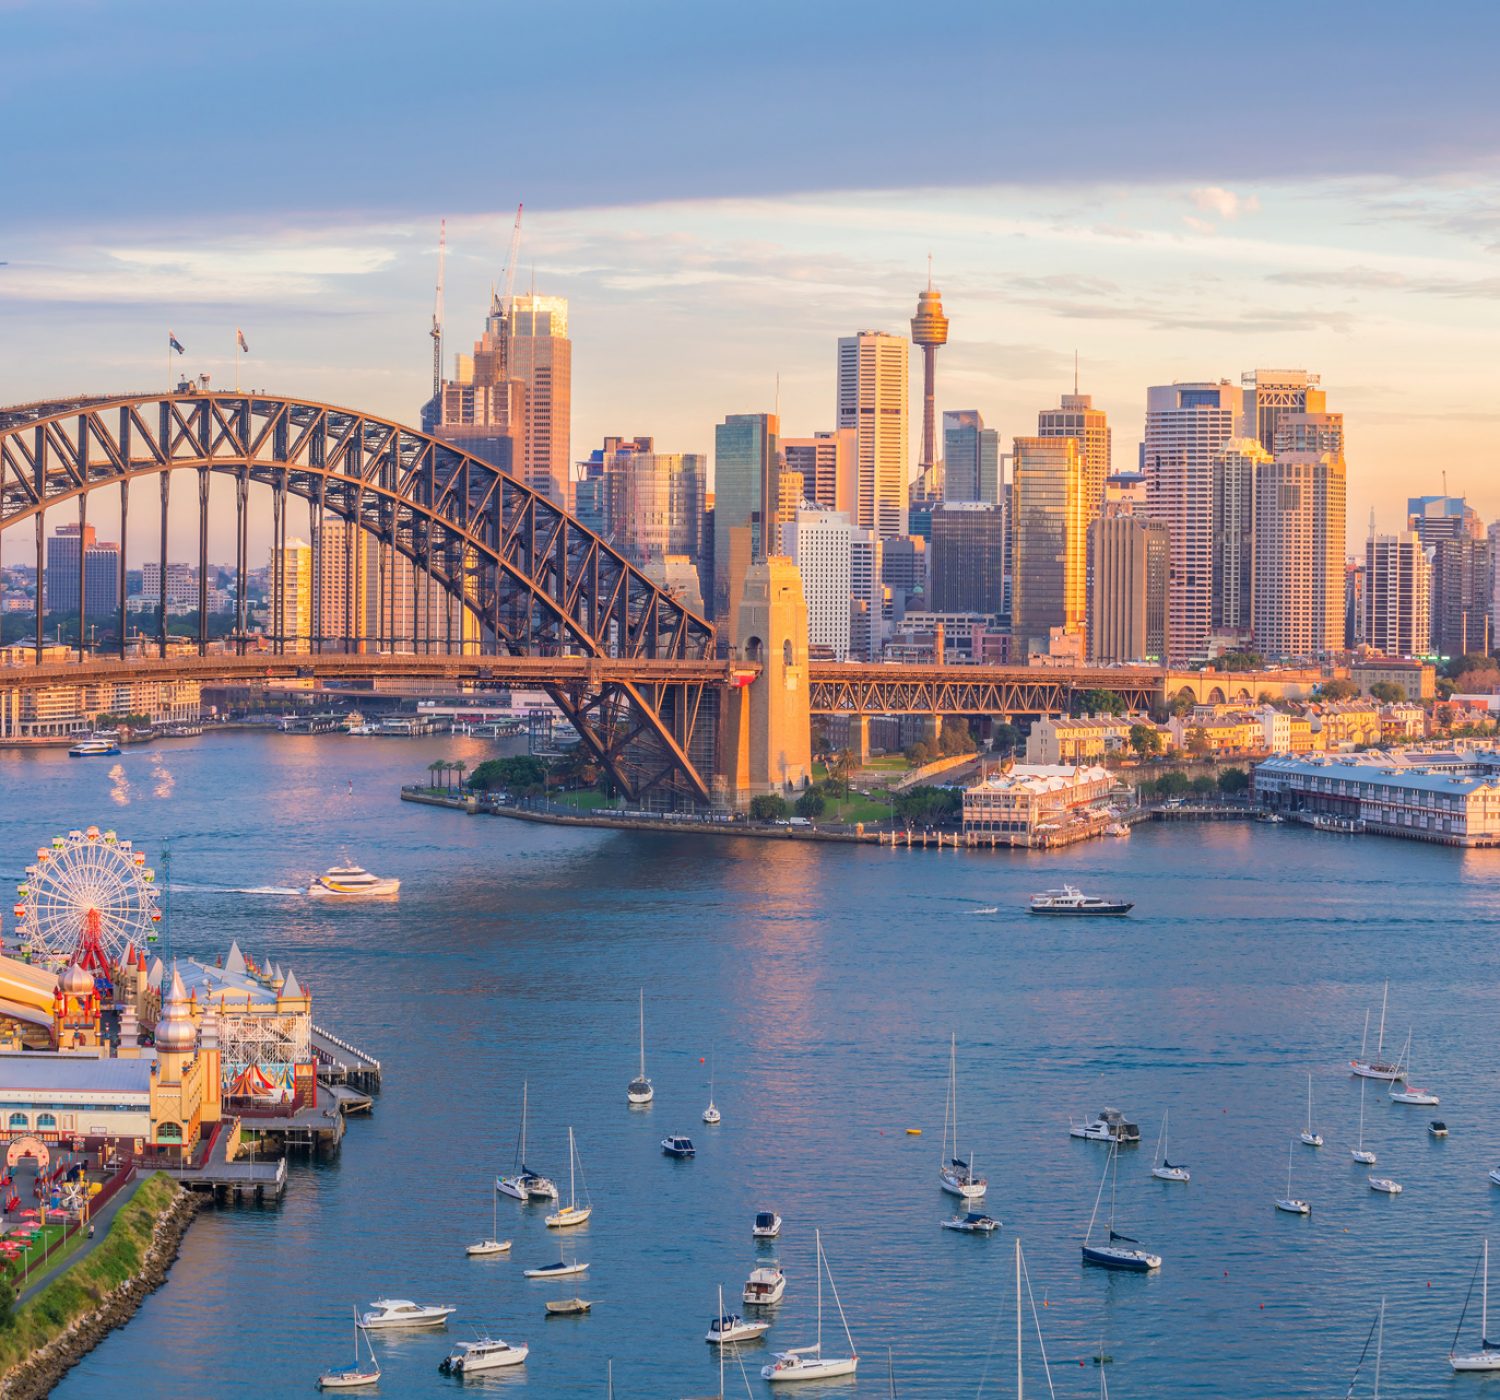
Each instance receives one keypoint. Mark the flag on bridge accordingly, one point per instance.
(174, 344)
(239, 336)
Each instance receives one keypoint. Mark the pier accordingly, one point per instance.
(340, 1063)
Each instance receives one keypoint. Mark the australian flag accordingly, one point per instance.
(174, 343)
(239, 335)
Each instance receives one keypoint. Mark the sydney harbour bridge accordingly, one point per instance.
(648, 684)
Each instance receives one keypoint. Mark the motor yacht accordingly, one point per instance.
(678, 1147)
(1495, 1176)
(765, 1286)
(402, 1312)
(352, 882)
(1438, 1128)
(731, 1327)
(1071, 900)
(1110, 1126)
(974, 1222)
(484, 1354)
(767, 1225)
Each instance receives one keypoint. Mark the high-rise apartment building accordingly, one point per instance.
(182, 586)
(1186, 424)
(1078, 418)
(967, 558)
(1049, 542)
(829, 466)
(290, 624)
(1270, 393)
(1234, 467)
(100, 574)
(746, 497)
(540, 356)
(1297, 607)
(1129, 562)
(872, 399)
(866, 595)
(1462, 596)
(344, 585)
(971, 458)
(818, 541)
(1398, 595)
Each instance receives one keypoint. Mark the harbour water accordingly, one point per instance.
(824, 982)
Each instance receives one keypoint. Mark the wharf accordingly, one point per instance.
(340, 1063)
(238, 1178)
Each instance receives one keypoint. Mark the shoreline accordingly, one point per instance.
(35, 1375)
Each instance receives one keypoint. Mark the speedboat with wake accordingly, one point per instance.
(353, 882)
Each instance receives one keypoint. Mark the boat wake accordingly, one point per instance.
(988, 909)
(281, 890)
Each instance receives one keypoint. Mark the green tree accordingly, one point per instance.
(1146, 740)
(433, 769)
(768, 808)
(1233, 781)
(1337, 690)
(1197, 742)
(1098, 702)
(1173, 784)
(919, 755)
(927, 806)
(842, 767)
(1007, 738)
(1204, 785)
(957, 739)
(1387, 692)
(1183, 701)
(519, 773)
(1240, 661)
(811, 804)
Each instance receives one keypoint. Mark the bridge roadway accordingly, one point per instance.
(836, 688)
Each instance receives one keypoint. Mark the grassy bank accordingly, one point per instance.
(117, 1258)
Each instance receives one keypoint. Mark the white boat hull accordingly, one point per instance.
(1495, 1176)
(554, 1271)
(1385, 1185)
(1417, 1096)
(965, 1190)
(381, 889)
(472, 1365)
(1390, 1074)
(1477, 1361)
(745, 1332)
(764, 1295)
(567, 1218)
(1311, 1139)
(401, 1324)
(1171, 1173)
(1292, 1207)
(476, 1251)
(354, 1380)
(1368, 1158)
(809, 1368)
(510, 1186)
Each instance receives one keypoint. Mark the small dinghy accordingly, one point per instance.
(568, 1307)
(1438, 1128)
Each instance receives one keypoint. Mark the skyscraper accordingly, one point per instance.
(1129, 560)
(971, 458)
(1234, 467)
(866, 595)
(872, 399)
(1437, 518)
(656, 505)
(1297, 608)
(1398, 595)
(1270, 393)
(818, 541)
(929, 329)
(1186, 424)
(746, 496)
(1462, 596)
(967, 556)
(290, 623)
(828, 465)
(540, 355)
(101, 572)
(1078, 418)
(1049, 542)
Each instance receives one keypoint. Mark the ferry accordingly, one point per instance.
(94, 748)
(1071, 900)
(353, 882)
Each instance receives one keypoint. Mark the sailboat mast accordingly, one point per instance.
(572, 1194)
(1114, 1177)
(1019, 1378)
(523, 1122)
(1380, 1043)
(1365, 1034)
(721, 1349)
(1379, 1346)
(953, 1080)
(818, 1239)
(643, 1032)
(1361, 1115)
(1484, 1299)
(1309, 1105)
(1289, 1171)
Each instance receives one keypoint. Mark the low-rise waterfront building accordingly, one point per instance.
(1083, 739)
(1454, 799)
(1417, 678)
(1024, 802)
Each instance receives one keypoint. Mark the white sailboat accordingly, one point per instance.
(1375, 1068)
(1409, 1093)
(523, 1184)
(356, 1374)
(1161, 1168)
(1360, 1153)
(572, 1213)
(711, 1114)
(1289, 1203)
(492, 1245)
(1487, 1358)
(956, 1173)
(639, 1091)
(809, 1363)
(1036, 1322)
(1311, 1138)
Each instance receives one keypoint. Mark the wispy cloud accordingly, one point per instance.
(1222, 203)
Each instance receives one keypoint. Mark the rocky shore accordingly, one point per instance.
(34, 1376)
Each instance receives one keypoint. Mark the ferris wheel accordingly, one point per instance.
(89, 894)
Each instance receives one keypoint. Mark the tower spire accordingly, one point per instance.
(929, 329)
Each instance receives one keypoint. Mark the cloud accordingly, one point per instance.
(1225, 204)
(1375, 279)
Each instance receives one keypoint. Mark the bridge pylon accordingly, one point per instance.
(766, 730)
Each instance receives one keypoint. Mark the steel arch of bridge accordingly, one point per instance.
(537, 581)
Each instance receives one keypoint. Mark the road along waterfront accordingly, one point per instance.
(823, 980)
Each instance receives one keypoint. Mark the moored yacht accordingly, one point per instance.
(731, 1327)
(1111, 1255)
(402, 1312)
(973, 1222)
(1071, 900)
(1487, 1358)
(1374, 1067)
(809, 1363)
(639, 1091)
(352, 882)
(482, 1354)
(1110, 1126)
(523, 1184)
(767, 1225)
(956, 1173)
(765, 1286)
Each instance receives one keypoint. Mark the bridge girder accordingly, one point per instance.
(536, 579)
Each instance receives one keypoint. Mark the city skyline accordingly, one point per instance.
(1316, 245)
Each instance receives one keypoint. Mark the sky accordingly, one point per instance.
(1171, 191)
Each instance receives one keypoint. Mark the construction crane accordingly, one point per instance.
(437, 316)
(510, 266)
